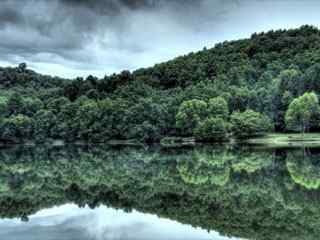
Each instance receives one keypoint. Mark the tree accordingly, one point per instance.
(311, 79)
(190, 114)
(72, 89)
(31, 106)
(241, 98)
(44, 124)
(93, 94)
(22, 67)
(290, 80)
(301, 112)
(67, 126)
(149, 117)
(249, 124)
(218, 108)
(147, 132)
(86, 117)
(16, 128)
(15, 104)
(212, 129)
(57, 104)
(3, 106)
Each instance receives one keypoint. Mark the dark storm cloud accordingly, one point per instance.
(70, 24)
(75, 19)
(70, 37)
(89, 34)
(113, 7)
(8, 15)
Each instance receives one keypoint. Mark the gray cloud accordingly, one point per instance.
(68, 29)
(80, 37)
(8, 15)
(69, 24)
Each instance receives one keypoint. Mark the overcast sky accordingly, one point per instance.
(72, 38)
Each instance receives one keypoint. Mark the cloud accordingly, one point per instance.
(71, 24)
(71, 37)
(104, 34)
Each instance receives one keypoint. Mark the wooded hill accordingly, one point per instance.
(238, 88)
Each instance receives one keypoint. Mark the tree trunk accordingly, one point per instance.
(302, 130)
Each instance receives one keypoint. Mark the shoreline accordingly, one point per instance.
(269, 140)
(286, 140)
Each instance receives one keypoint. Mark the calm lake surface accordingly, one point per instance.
(205, 192)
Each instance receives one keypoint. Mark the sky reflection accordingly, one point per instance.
(69, 222)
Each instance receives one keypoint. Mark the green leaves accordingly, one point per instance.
(44, 124)
(218, 108)
(16, 128)
(191, 95)
(206, 121)
(190, 114)
(302, 111)
(249, 124)
(212, 129)
(210, 121)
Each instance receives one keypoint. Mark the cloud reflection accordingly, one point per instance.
(69, 222)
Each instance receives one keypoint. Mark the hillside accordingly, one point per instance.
(209, 94)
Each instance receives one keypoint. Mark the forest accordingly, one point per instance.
(237, 89)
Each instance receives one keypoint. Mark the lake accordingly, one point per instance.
(204, 192)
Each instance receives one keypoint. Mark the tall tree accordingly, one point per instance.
(301, 112)
(218, 108)
(249, 124)
(190, 114)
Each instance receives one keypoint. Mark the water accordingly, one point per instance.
(101, 193)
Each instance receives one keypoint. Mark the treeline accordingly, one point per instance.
(240, 88)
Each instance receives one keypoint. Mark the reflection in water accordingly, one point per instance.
(238, 192)
(304, 169)
(70, 222)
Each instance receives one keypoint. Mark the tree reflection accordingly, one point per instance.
(243, 192)
(304, 168)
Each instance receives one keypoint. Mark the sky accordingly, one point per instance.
(68, 222)
(70, 38)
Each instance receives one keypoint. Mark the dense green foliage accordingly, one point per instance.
(190, 114)
(249, 123)
(263, 74)
(303, 112)
(212, 129)
(246, 193)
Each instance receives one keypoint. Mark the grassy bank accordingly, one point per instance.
(287, 140)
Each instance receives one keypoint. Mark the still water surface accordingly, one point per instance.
(71, 222)
(207, 192)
